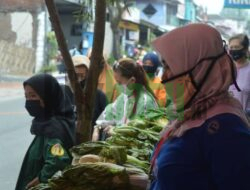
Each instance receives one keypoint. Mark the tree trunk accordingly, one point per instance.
(54, 18)
(34, 28)
(115, 13)
(116, 43)
(96, 66)
(34, 31)
(85, 100)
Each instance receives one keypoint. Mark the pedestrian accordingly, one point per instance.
(135, 97)
(106, 81)
(81, 65)
(53, 128)
(238, 49)
(207, 148)
(150, 64)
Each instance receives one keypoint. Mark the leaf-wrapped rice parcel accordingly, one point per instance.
(116, 154)
(89, 148)
(94, 176)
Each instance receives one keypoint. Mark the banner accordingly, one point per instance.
(238, 4)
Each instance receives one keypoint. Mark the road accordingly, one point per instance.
(14, 134)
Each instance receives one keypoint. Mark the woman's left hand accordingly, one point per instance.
(33, 183)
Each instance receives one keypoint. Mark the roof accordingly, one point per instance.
(20, 5)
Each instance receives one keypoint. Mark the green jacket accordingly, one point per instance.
(43, 159)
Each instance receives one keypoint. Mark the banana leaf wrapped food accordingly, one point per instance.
(106, 152)
(127, 152)
(128, 142)
(100, 176)
(89, 148)
(117, 154)
(86, 148)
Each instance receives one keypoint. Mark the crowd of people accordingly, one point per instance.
(203, 79)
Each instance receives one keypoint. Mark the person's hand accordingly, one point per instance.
(109, 130)
(96, 133)
(33, 183)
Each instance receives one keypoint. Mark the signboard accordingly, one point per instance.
(238, 4)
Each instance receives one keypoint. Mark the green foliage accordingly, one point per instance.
(52, 45)
(84, 14)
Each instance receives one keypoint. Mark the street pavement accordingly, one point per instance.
(11, 87)
(14, 130)
(10, 90)
(15, 138)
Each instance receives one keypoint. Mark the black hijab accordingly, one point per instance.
(60, 119)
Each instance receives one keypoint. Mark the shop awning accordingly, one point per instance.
(129, 25)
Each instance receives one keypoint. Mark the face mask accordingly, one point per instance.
(149, 69)
(182, 88)
(34, 108)
(237, 54)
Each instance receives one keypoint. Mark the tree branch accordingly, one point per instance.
(96, 66)
(54, 18)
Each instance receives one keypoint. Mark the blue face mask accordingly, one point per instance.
(34, 108)
(149, 69)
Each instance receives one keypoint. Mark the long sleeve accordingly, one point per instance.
(55, 158)
(227, 152)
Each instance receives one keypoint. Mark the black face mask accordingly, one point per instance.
(149, 69)
(82, 83)
(34, 108)
(237, 54)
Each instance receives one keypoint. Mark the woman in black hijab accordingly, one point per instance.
(53, 127)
